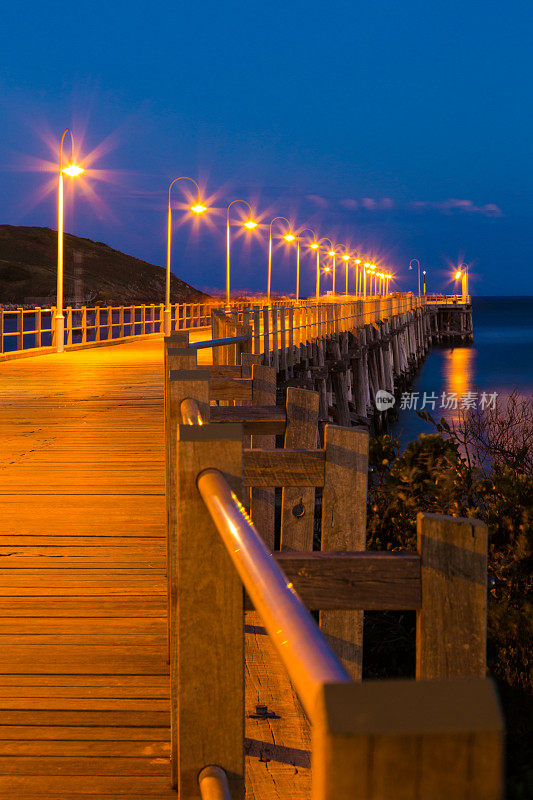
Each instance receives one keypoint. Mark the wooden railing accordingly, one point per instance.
(25, 329)
(434, 738)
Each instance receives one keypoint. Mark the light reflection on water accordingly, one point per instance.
(458, 369)
(499, 361)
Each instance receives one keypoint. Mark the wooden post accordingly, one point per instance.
(344, 528)
(97, 324)
(207, 665)
(452, 623)
(400, 740)
(84, 324)
(38, 327)
(20, 329)
(298, 504)
(262, 510)
(69, 324)
(109, 323)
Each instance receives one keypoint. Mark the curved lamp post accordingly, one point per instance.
(357, 262)
(346, 259)
(298, 257)
(73, 171)
(288, 234)
(462, 272)
(424, 279)
(413, 261)
(333, 253)
(198, 208)
(250, 224)
(316, 246)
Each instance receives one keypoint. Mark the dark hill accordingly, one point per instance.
(93, 272)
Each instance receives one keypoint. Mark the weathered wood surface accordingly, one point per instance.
(84, 684)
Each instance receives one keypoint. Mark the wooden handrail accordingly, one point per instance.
(301, 646)
(190, 413)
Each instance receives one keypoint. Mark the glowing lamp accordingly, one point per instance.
(357, 260)
(457, 274)
(326, 269)
(198, 208)
(372, 266)
(289, 237)
(367, 263)
(250, 224)
(346, 258)
(73, 170)
(314, 246)
(331, 252)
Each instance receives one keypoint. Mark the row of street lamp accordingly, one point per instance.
(364, 269)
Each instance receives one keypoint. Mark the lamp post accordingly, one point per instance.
(250, 224)
(424, 279)
(332, 253)
(73, 171)
(346, 259)
(316, 246)
(387, 279)
(198, 208)
(412, 261)
(269, 277)
(357, 262)
(462, 272)
(298, 257)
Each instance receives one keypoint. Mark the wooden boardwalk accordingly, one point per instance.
(84, 684)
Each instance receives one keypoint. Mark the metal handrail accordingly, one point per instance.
(219, 342)
(301, 646)
(190, 412)
(213, 783)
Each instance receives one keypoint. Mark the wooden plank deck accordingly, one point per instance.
(84, 688)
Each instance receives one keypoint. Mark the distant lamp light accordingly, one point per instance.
(357, 260)
(73, 170)
(346, 258)
(331, 252)
(198, 208)
(314, 246)
(289, 237)
(372, 266)
(250, 224)
(458, 274)
(367, 263)
(326, 269)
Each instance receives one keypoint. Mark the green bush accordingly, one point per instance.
(438, 473)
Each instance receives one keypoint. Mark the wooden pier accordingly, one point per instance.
(84, 672)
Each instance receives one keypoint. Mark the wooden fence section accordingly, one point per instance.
(437, 738)
(25, 329)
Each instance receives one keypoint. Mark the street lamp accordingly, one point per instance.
(250, 224)
(424, 278)
(387, 279)
(316, 246)
(269, 277)
(72, 170)
(298, 255)
(197, 208)
(462, 272)
(332, 253)
(412, 261)
(357, 262)
(346, 259)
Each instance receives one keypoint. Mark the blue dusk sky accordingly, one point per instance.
(398, 129)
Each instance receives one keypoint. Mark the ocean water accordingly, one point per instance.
(499, 360)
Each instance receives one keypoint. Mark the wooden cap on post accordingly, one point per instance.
(397, 740)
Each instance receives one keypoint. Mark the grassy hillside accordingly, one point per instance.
(93, 272)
